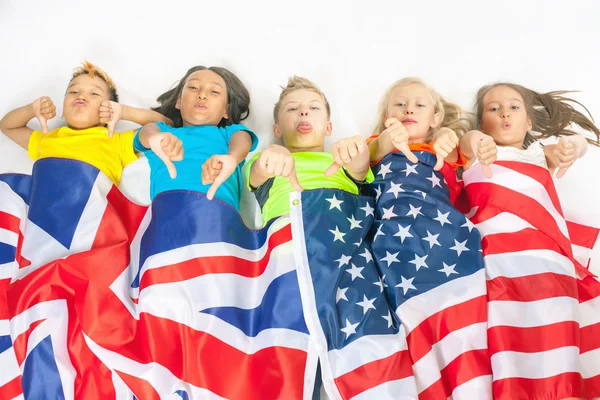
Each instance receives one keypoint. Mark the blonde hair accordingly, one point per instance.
(298, 83)
(551, 113)
(87, 68)
(451, 115)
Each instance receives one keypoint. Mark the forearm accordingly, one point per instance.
(380, 147)
(239, 145)
(147, 131)
(358, 173)
(466, 145)
(257, 177)
(142, 116)
(17, 118)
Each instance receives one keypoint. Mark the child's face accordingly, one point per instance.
(504, 116)
(413, 106)
(303, 121)
(203, 100)
(82, 101)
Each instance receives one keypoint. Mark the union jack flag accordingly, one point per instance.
(109, 299)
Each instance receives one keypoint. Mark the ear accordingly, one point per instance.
(328, 129)
(529, 124)
(226, 114)
(178, 104)
(437, 120)
(277, 131)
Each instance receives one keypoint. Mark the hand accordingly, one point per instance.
(168, 148)
(216, 170)
(44, 110)
(399, 137)
(351, 153)
(485, 149)
(568, 150)
(445, 141)
(276, 160)
(110, 113)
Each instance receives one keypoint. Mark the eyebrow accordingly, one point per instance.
(511, 99)
(296, 101)
(73, 84)
(196, 79)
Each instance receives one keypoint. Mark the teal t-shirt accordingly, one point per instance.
(199, 144)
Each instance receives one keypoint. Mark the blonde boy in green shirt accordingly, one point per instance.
(302, 120)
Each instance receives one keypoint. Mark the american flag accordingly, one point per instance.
(361, 346)
(109, 299)
(544, 306)
(429, 255)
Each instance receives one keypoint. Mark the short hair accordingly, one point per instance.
(299, 83)
(87, 68)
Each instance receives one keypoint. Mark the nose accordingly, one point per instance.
(202, 95)
(505, 114)
(410, 109)
(303, 111)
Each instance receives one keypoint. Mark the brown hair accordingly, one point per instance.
(551, 113)
(451, 115)
(238, 98)
(299, 83)
(87, 68)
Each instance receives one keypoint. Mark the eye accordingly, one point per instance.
(95, 94)
(192, 87)
(514, 107)
(292, 109)
(215, 92)
(494, 109)
(315, 108)
(420, 105)
(400, 105)
(73, 92)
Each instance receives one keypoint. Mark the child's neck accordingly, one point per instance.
(83, 129)
(315, 149)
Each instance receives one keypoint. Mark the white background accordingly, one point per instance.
(352, 50)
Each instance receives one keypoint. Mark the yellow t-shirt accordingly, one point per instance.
(92, 146)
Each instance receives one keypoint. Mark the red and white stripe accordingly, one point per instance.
(543, 305)
(372, 367)
(446, 329)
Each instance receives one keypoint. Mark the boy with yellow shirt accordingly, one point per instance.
(302, 120)
(90, 103)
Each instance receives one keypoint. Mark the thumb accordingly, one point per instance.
(333, 168)
(43, 123)
(403, 147)
(561, 172)
(223, 175)
(439, 162)
(111, 127)
(293, 178)
(167, 161)
(487, 171)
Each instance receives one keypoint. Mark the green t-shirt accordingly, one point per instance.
(273, 195)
